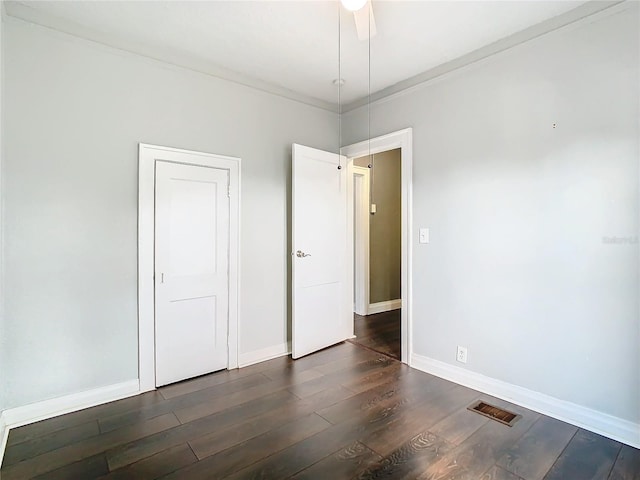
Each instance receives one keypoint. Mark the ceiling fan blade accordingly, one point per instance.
(362, 22)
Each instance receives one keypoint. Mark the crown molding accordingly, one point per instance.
(171, 56)
(177, 58)
(585, 10)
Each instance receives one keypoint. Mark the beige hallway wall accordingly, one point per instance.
(384, 225)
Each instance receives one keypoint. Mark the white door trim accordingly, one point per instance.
(402, 139)
(361, 250)
(148, 154)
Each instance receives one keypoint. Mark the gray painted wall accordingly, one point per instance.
(75, 112)
(518, 269)
(3, 345)
(384, 227)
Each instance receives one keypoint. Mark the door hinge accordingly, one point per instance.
(229, 191)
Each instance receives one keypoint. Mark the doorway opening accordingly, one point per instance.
(377, 252)
(382, 305)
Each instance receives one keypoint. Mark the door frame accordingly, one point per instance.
(360, 180)
(147, 157)
(402, 139)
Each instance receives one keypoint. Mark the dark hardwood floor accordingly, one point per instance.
(379, 332)
(345, 412)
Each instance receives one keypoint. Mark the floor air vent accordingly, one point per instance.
(495, 413)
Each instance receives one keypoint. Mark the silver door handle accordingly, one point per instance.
(301, 254)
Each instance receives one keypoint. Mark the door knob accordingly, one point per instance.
(301, 254)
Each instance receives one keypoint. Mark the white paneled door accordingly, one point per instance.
(191, 270)
(322, 294)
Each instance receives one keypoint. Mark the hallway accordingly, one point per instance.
(379, 332)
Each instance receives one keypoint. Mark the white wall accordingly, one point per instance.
(2, 337)
(75, 112)
(517, 269)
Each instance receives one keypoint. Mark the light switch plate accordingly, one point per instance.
(424, 235)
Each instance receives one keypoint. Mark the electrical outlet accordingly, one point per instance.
(461, 355)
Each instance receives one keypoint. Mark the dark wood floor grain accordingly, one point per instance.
(532, 456)
(379, 332)
(345, 412)
(588, 456)
(627, 466)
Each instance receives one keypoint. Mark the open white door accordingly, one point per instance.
(322, 294)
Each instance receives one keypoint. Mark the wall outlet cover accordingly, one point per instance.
(461, 354)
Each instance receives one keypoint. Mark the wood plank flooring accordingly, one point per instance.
(342, 413)
(379, 332)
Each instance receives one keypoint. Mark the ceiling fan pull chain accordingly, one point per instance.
(371, 157)
(339, 90)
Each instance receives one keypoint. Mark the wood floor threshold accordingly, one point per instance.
(371, 349)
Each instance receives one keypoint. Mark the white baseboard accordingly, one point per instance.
(598, 422)
(362, 310)
(4, 435)
(16, 417)
(386, 306)
(19, 416)
(264, 354)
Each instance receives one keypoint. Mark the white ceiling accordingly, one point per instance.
(293, 45)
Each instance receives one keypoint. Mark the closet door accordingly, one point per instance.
(191, 265)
